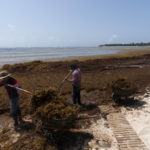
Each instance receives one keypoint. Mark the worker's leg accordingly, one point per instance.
(13, 110)
(74, 94)
(78, 95)
(19, 113)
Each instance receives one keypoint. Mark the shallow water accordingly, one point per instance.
(17, 55)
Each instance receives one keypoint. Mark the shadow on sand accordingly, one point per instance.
(131, 102)
(62, 139)
(72, 140)
(25, 126)
(88, 107)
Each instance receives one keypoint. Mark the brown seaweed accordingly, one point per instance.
(52, 109)
(123, 86)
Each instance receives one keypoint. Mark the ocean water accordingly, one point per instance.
(17, 55)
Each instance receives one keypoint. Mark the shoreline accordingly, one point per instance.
(120, 54)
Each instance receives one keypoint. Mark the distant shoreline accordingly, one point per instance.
(128, 44)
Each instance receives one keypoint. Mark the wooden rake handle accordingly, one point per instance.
(66, 77)
(26, 91)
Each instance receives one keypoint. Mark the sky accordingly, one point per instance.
(73, 23)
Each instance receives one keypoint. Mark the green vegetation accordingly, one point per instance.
(128, 44)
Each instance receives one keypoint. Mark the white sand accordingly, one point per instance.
(140, 118)
(104, 138)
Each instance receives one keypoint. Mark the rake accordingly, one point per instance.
(26, 91)
(62, 82)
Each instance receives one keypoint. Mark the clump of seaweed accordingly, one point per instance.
(50, 110)
(123, 86)
(28, 142)
(43, 97)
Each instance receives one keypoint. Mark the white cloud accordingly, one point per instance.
(112, 38)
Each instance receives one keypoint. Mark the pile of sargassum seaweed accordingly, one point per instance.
(123, 86)
(51, 110)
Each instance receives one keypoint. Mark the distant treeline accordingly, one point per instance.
(129, 44)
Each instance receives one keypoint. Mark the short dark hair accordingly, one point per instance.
(73, 66)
